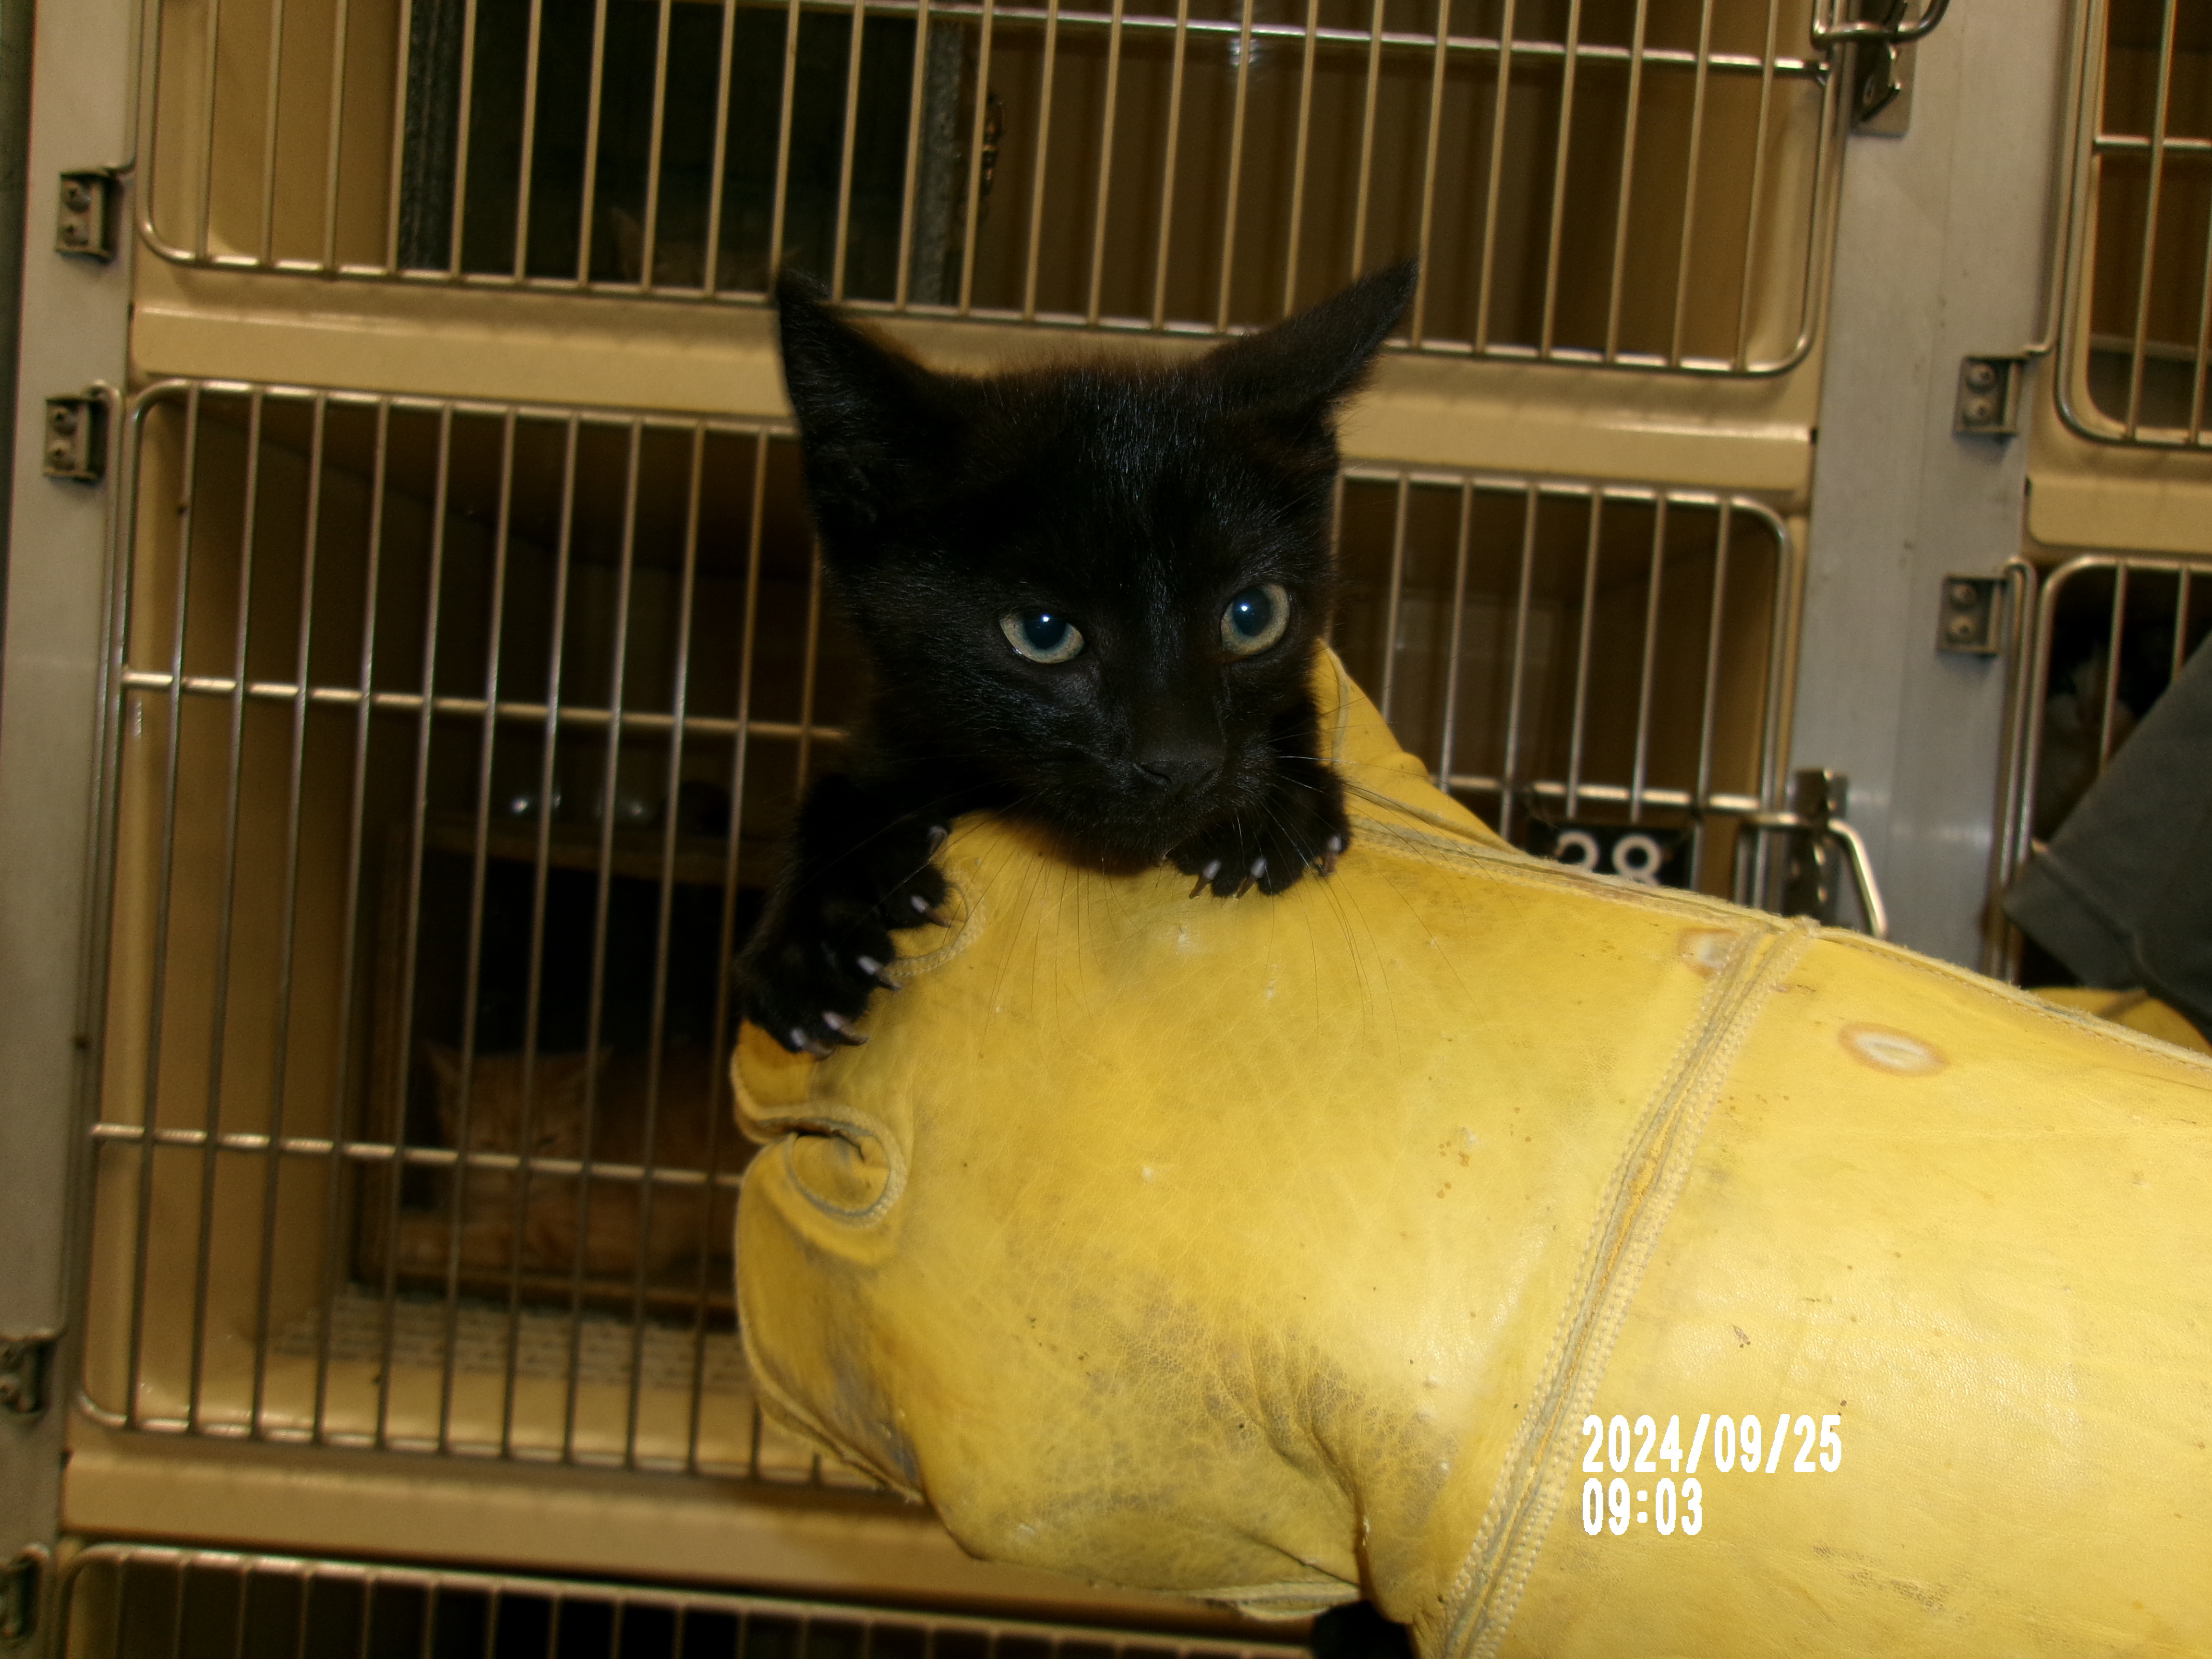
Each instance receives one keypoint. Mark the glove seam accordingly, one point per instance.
(1639, 1196)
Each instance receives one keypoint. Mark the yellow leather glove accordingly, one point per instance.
(1276, 1251)
(2135, 1010)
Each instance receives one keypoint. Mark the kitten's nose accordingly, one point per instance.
(1179, 771)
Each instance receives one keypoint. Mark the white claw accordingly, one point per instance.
(921, 904)
(833, 1019)
(1211, 870)
(799, 1039)
(1336, 843)
(937, 833)
(1259, 868)
(869, 966)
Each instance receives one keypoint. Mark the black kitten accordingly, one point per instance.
(1090, 596)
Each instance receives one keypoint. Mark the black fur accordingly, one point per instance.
(1135, 500)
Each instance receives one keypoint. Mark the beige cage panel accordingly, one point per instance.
(148, 1602)
(2103, 634)
(1639, 182)
(2136, 330)
(451, 745)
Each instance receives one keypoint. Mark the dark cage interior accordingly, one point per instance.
(2115, 631)
(631, 135)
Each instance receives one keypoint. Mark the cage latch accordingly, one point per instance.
(20, 1582)
(24, 1362)
(1822, 847)
(1880, 70)
(1890, 28)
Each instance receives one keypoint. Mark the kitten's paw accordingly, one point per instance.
(1302, 827)
(825, 945)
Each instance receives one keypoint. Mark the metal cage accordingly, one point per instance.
(2136, 320)
(448, 746)
(1642, 183)
(2102, 636)
(149, 1601)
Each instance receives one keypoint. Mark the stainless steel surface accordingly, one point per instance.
(151, 1602)
(49, 702)
(1165, 168)
(2102, 637)
(2135, 332)
(1871, 907)
(1899, 501)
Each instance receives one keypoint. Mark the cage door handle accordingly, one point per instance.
(1889, 31)
(1815, 824)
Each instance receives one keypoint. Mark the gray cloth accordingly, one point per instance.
(2123, 895)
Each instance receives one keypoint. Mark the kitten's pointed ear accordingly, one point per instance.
(871, 421)
(1300, 370)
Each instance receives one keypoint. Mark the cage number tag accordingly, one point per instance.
(1656, 857)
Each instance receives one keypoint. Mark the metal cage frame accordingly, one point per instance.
(2035, 593)
(671, 1615)
(2088, 146)
(1808, 282)
(342, 1148)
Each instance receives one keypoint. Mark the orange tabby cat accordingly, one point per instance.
(616, 1230)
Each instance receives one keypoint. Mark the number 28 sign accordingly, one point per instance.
(1656, 857)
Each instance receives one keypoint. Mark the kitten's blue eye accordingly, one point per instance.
(1255, 620)
(1044, 636)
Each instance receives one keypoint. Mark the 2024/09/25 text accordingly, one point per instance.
(1615, 1506)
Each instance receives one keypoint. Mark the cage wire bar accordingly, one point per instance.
(2137, 308)
(1561, 650)
(1646, 184)
(2100, 637)
(361, 574)
(120, 1600)
(450, 745)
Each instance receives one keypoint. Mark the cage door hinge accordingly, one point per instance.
(1971, 609)
(25, 1363)
(22, 1582)
(84, 216)
(76, 437)
(1990, 397)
